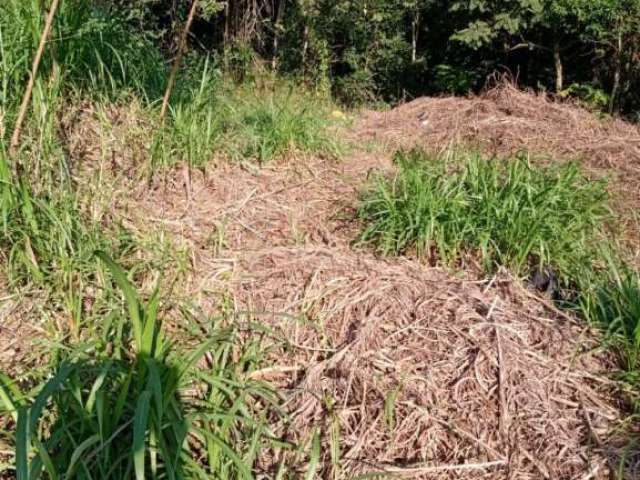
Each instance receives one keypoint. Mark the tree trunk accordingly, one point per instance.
(276, 33)
(305, 47)
(617, 74)
(176, 64)
(559, 67)
(26, 99)
(415, 29)
(227, 20)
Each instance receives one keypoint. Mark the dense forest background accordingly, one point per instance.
(383, 49)
(396, 49)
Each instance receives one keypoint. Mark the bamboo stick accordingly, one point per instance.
(26, 99)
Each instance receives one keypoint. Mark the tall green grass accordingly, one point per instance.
(212, 119)
(123, 404)
(46, 244)
(95, 48)
(610, 298)
(507, 212)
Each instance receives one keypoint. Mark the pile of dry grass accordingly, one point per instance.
(406, 369)
(505, 120)
(409, 369)
(426, 375)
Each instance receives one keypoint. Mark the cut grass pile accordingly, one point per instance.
(111, 396)
(536, 221)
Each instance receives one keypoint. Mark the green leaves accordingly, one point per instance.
(141, 418)
(146, 333)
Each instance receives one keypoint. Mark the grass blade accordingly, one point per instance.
(140, 432)
(131, 297)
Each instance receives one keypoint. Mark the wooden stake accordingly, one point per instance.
(24, 107)
(176, 63)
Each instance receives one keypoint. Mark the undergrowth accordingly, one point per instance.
(211, 120)
(509, 212)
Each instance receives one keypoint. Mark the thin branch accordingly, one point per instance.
(26, 100)
(176, 63)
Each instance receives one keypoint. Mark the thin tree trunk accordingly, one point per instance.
(617, 74)
(276, 33)
(26, 100)
(172, 80)
(176, 63)
(305, 46)
(559, 67)
(415, 29)
(227, 20)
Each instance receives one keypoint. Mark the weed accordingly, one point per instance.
(610, 298)
(209, 121)
(278, 125)
(124, 405)
(47, 244)
(507, 212)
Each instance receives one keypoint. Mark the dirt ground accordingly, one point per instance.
(419, 371)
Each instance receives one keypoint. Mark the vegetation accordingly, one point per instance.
(241, 123)
(112, 395)
(548, 224)
(123, 402)
(397, 48)
(508, 211)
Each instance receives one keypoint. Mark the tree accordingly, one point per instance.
(535, 24)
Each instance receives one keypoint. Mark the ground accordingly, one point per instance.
(423, 371)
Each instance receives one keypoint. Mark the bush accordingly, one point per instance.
(96, 48)
(610, 298)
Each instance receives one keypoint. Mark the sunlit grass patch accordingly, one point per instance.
(507, 212)
(124, 403)
(212, 119)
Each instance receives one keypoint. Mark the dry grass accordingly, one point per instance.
(418, 372)
(427, 374)
(423, 374)
(505, 120)
(20, 327)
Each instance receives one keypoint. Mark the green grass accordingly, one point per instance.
(212, 119)
(123, 404)
(47, 245)
(94, 47)
(507, 212)
(610, 298)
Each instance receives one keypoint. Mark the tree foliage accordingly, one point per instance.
(394, 49)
